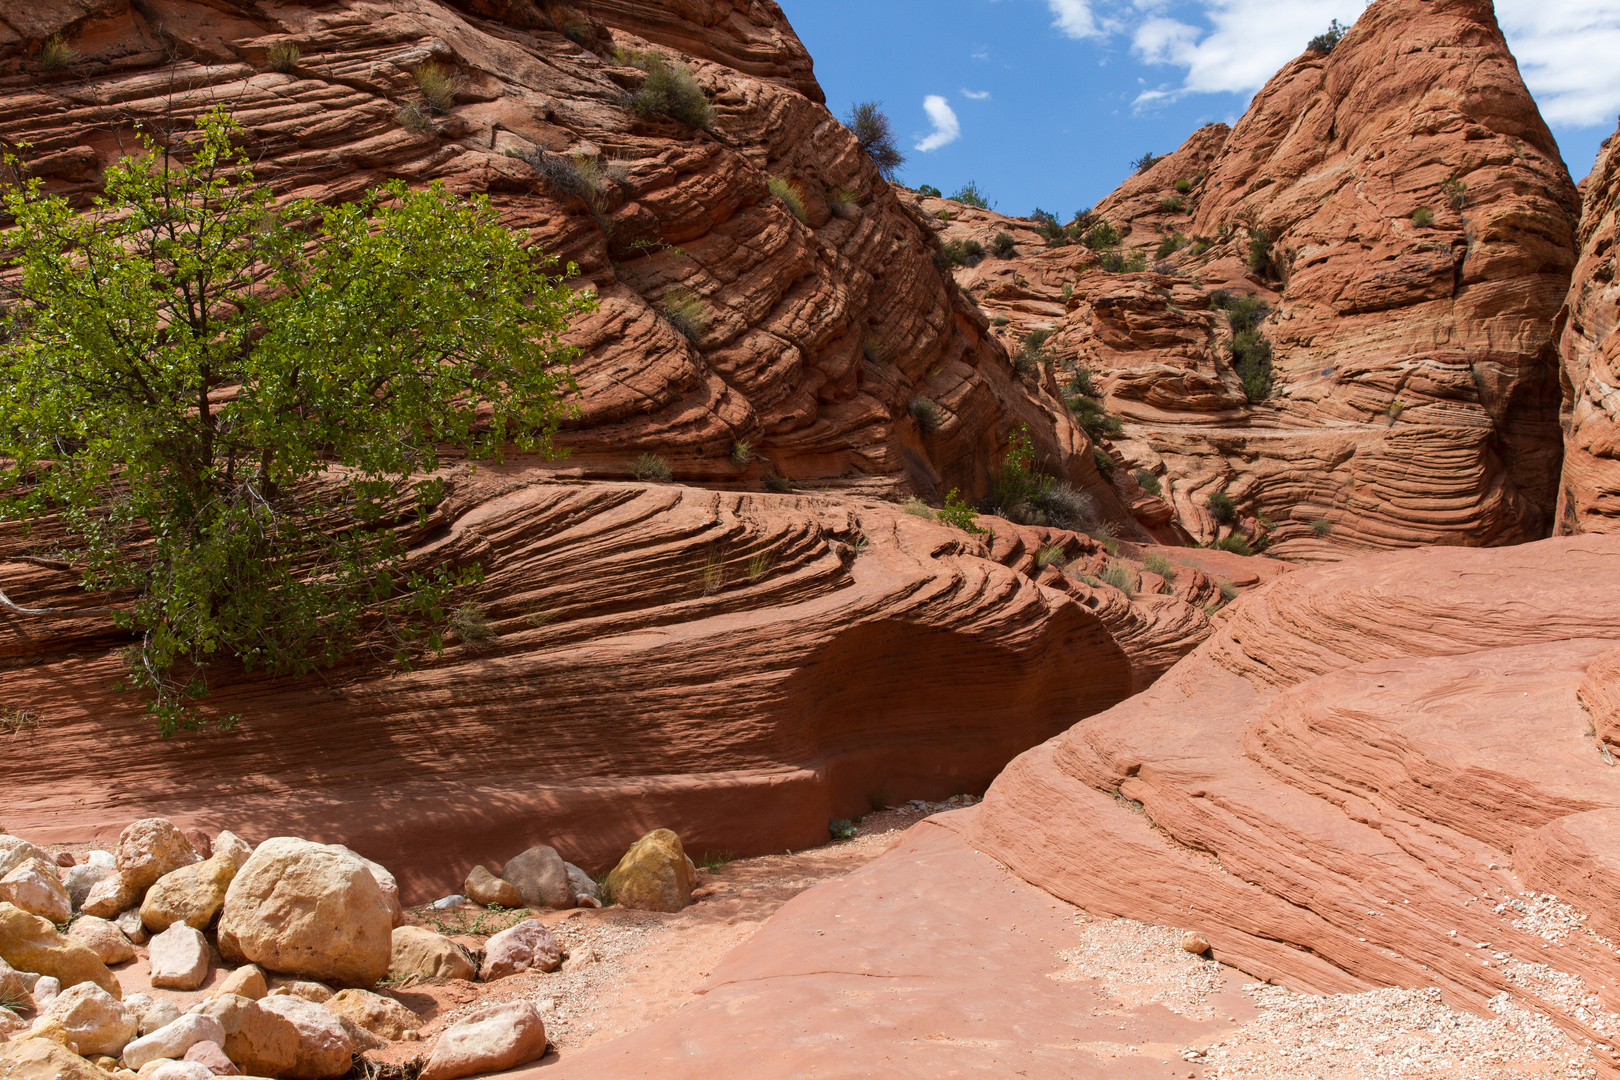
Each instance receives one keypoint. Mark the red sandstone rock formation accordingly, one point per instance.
(1589, 347)
(1355, 779)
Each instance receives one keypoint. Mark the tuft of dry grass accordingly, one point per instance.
(56, 54)
(283, 57)
(438, 86)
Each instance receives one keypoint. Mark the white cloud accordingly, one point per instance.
(976, 95)
(947, 128)
(1074, 18)
(1569, 54)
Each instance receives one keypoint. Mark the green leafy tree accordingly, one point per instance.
(229, 412)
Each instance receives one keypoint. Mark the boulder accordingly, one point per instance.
(247, 981)
(382, 1016)
(541, 878)
(385, 882)
(129, 921)
(101, 860)
(79, 880)
(33, 886)
(319, 993)
(485, 888)
(260, 1042)
(29, 943)
(111, 895)
(212, 1056)
(149, 848)
(432, 956)
(192, 894)
(307, 909)
(527, 945)
(102, 938)
(46, 987)
(654, 875)
(179, 958)
(325, 1050)
(11, 1023)
(586, 892)
(230, 846)
(491, 1039)
(14, 851)
(173, 1039)
(45, 1059)
(89, 1020)
(164, 1069)
(151, 1013)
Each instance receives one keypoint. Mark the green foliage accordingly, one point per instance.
(917, 508)
(1105, 464)
(1170, 245)
(1004, 245)
(715, 860)
(1149, 482)
(1081, 382)
(283, 56)
(779, 484)
(712, 574)
(742, 454)
(788, 193)
(1259, 251)
(1135, 262)
(1173, 205)
(1158, 564)
(845, 202)
(233, 408)
(1423, 217)
(1018, 485)
(958, 253)
(1032, 353)
(55, 54)
(1094, 418)
(1455, 189)
(1183, 186)
(959, 514)
(572, 174)
(1396, 407)
(1222, 508)
(1050, 555)
(970, 195)
(670, 90)
(1146, 162)
(1251, 351)
(1321, 526)
(842, 829)
(684, 310)
(929, 191)
(1229, 591)
(930, 418)
(438, 86)
(1235, 544)
(650, 468)
(1326, 42)
(871, 127)
(1119, 576)
(1102, 236)
(872, 349)
(1000, 320)
(760, 565)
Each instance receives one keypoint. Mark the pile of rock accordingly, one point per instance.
(654, 875)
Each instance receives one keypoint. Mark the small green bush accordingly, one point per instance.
(930, 418)
(958, 253)
(283, 56)
(1172, 205)
(845, 202)
(1158, 564)
(1251, 352)
(1146, 162)
(650, 468)
(1000, 320)
(1094, 418)
(929, 191)
(413, 117)
(1082, 384)
(55, 54)
(671, 90)
(1149, 482)
(917, 508)
(1134, 263)
(1423, 217)
(1105, 464)
(759, 566)
(438, 86)
(1321, 526)
(1183, 186)
(1102, 236)
(872, 350)
(1222, 508)
(1235, 544)
(1005, 245)
(1455, 189)
(1032, 353)
(742, 454)
(1121, 577)
(779, 484)
(1259, 251)
(1326, 42)
(842, 829)
(785, 190)
(970, 195)
(1046, 223)
(1170, 245)
(959, 514)
(1229, 591)
(684, 310)
(872, 130)
(470, 625)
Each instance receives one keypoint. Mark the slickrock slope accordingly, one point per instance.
(1355, 779)
(1589, 347)
(738, 667)
(815, 336)
(1415, 365)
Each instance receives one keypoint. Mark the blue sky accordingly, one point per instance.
(1046, 102)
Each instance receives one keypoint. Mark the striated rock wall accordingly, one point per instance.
(1589, 348)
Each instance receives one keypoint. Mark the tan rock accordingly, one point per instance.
(491, 1039)
(33, 886)
(173, 1040)
(102, 938)
(227, 845)
(307, 909)
(483, 887)
(93, 1021)
(1194, 942)
(385, 882)
(260, 1042)
(110, 896)
(541, 878)
(29, 943)
(149, 848)
(417, 951)
(382, 1016)
(654, 875)
(79, 880)
(179, 958)
(45, 1059)
(151, 1013)
(164, 1069)
(192, 894)
(246, 981)
(319, 993)
(129, 921)
(519, 948)
(11, 1023)
(325, 1050)
(212, 1056)
(14, 851)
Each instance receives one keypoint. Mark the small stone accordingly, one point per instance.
(492, 1039)
(1194, 943)
(319, 993)
(446, 903)
(46, 989)
(179, 958)
(33, 886)
(101, 860)
(541, 878)
(582, 957)
(149, 848)
(527, 945)
(109, 896)
(230, 846)
(417, 951)
(247, 981)
(212, 1056)
(79, 880)
(584, 887)
(14, 851)
(44, 1059)
(164, 1069)
(151, 1013)
(102, 938)
(93, 1021)
(29, 943)
(63, 858)
(260, 1042)
(382, 1016)
(485, 888)
(325, 1050)
(173, 1040)
(10, 1022)
(130, 923)
(654, 875)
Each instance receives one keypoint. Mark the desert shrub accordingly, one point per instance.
(470, 625)
(742, 454)
(1005, 245)
(872, 350)
(842, 829)
(1046, 223)
(1094, 418)
(1000, 320)
(1149, 482)
(1112, 261)
(1146, 162)
(930, 418)
(1017, 484)
(789, 194)
(871, 128)
(1102, 235)
(959, 253)
(1032, 353)
(1251, 352)
(1119, 576)
(1050, 555)
(1081, 382)
(1235, 544)
(283, 56)
(438, 86)
(760, 565)
(683, 309)
(56, 54)
(14, 722)
(958, 514)
(1229, 591)
(1170, 245)
(651, 468)
(917, 508)
(413, 117)
(570, 174)
(1173, 205)
(1259, 251)
(1158, 564)
(779, 484)
(1393, 412)
(929, 191)
(970, 195)
(712, 574)
(845, 202)
(671, 90)
(1222, 508)
(1326, 41)
(1183, 186)
(1455, 189)
(1321, 526)
(1423, 217)
(1105, 463)
(1135, 262)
